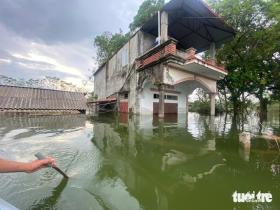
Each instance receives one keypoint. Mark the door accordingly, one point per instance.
(169, 108)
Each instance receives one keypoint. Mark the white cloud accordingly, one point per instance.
(59, 43)
(5, 61)
(35, 58)
(53, 64)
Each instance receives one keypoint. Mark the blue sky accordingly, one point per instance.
(55, 38)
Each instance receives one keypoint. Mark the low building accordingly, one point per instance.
(25, 99)
(159, 67)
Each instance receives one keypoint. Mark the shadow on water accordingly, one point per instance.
(51, 201)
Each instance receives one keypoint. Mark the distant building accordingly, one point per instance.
(25, 99)
(156, 70)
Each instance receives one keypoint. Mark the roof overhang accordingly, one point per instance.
(193, 24)
(201, 68)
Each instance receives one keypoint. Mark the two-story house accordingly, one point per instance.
(159, 67)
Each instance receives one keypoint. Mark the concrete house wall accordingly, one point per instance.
(110, 78)
(100, 83)
(142, 68)
(146, 98)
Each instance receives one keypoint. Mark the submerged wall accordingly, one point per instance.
(146, 99)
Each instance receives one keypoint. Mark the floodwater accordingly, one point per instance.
(192, 162)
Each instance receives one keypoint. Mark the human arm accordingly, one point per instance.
(8, 166)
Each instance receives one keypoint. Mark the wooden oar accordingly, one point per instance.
(41, 157)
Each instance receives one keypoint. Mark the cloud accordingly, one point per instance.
(4, 61)
(35, 61)
(24, 58)
(65, 20)
(55, 38)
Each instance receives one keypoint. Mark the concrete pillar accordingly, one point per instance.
(96, 109)
(163, 26)
(118, 102)
(212, 51)
(212, 126)
(187, 104)
(212, 103)
(187, 111)
(161, 102)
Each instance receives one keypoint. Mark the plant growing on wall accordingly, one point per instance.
(157, 84)
(145, 11)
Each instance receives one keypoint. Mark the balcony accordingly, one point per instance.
(169, 52)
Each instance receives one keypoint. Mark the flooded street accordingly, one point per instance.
(139, 162)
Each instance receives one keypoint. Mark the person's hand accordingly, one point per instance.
(35, 165)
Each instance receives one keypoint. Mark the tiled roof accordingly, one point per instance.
(24, 98)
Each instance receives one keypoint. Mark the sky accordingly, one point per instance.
(55, 37)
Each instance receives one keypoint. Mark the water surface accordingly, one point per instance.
(117, 162)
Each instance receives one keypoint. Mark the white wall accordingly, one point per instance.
(173, 76)
(100, 83)
(146, 98)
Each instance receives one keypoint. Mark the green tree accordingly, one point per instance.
(146, 10)
(107, 44)
(250, 56)
(275, 87)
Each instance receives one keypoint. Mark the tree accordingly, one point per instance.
(145, 12)
(201, 95)
(275, 87)
(249, 57)
(107, 44)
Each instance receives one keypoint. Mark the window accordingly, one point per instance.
(167, 97)
(126, 96)
(171, 97)
(124, 57)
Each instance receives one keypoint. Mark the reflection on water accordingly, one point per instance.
(139, 162)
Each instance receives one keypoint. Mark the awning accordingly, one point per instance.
(101, 101)
(193, 24)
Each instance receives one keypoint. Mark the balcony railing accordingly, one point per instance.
(190, 54)
(169, 50)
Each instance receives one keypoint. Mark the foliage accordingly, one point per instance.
(202, 95)
(250, 56)
(203, 107)
(146, 10)
(107, 44)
